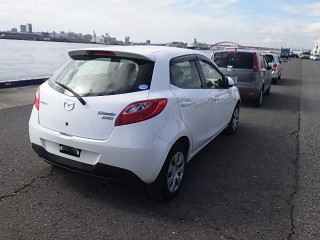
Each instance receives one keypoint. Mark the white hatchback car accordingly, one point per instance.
(275, 62)
(133, 113)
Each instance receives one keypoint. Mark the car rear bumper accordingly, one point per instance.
(132, 155)
(99, 169)
(248, 91)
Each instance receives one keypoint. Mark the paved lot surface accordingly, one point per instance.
(262, 183)
(15, 97)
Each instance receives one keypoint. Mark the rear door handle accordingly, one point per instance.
(186, 103)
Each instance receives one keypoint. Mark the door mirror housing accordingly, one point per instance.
(230, 82)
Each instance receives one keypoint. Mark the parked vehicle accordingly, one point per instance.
(315, 57)
(285, 53)
(275, 62)
(293, 54)
(133, 112)
(305, 55)
(249, 70)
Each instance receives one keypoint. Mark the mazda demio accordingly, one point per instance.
(133, 112)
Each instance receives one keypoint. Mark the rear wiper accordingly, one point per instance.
(83, 102)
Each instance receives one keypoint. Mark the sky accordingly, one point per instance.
(267, 23)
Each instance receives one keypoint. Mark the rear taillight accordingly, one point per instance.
(275, 66)
(37, 99)
(97, 53)
(140, 111)
(255, 63)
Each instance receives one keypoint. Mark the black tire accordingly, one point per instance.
(258, 100)
(234, 122)
(268, 91)
(274, 81)
(171, 176)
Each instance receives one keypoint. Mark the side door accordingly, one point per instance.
(195, 102)
(223, 102)
(265, 71)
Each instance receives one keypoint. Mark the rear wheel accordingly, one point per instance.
(258, 100)
(234, 122)
(275, 80)
(171, 176)
(268, 90)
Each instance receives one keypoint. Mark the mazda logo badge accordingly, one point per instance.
(69, 105)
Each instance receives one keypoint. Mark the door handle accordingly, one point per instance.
(186, 103)
(215, 99)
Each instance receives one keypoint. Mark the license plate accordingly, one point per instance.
(70, 150)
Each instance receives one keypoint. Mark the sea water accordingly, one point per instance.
(21, 59)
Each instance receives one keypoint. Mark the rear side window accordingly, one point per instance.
(104, 76)
(270, 58)
(242, 60)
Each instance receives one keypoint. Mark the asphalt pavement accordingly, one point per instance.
(262, 183)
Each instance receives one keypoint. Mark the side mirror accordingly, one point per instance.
(230, 82)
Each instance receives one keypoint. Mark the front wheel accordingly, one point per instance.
(171, 176)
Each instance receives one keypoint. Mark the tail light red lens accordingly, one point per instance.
(100, 53)
(140, 111)
(255, 63)
(275, 66)
(37, 99)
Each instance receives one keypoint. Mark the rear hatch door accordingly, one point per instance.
(104, 81)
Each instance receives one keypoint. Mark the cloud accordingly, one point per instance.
(313, 9)
(313, 29)
(169, 20)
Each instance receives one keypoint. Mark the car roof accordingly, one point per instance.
(143, 52)
(239, 50)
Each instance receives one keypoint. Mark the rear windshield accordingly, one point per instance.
(242, 60)
(103, 76)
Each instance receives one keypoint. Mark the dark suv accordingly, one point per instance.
(249, 70)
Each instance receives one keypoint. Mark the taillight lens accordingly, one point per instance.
(100, 53)
(140, 111)
(37, 99)
(275, 66)
(232, 52)
(255, 63)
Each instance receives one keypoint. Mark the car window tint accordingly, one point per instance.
(263, 62)
(104, 76)
(242, 60)
(185, 75)
(213, 78)
(270, 58)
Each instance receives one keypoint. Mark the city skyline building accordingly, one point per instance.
(29, 28)
(23, 28)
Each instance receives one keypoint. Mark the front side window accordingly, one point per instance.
(185, 74)
(213, 78)
(103, 76)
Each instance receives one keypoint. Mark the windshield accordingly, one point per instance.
(103, 76)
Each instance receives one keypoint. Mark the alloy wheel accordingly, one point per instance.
(175, 172)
